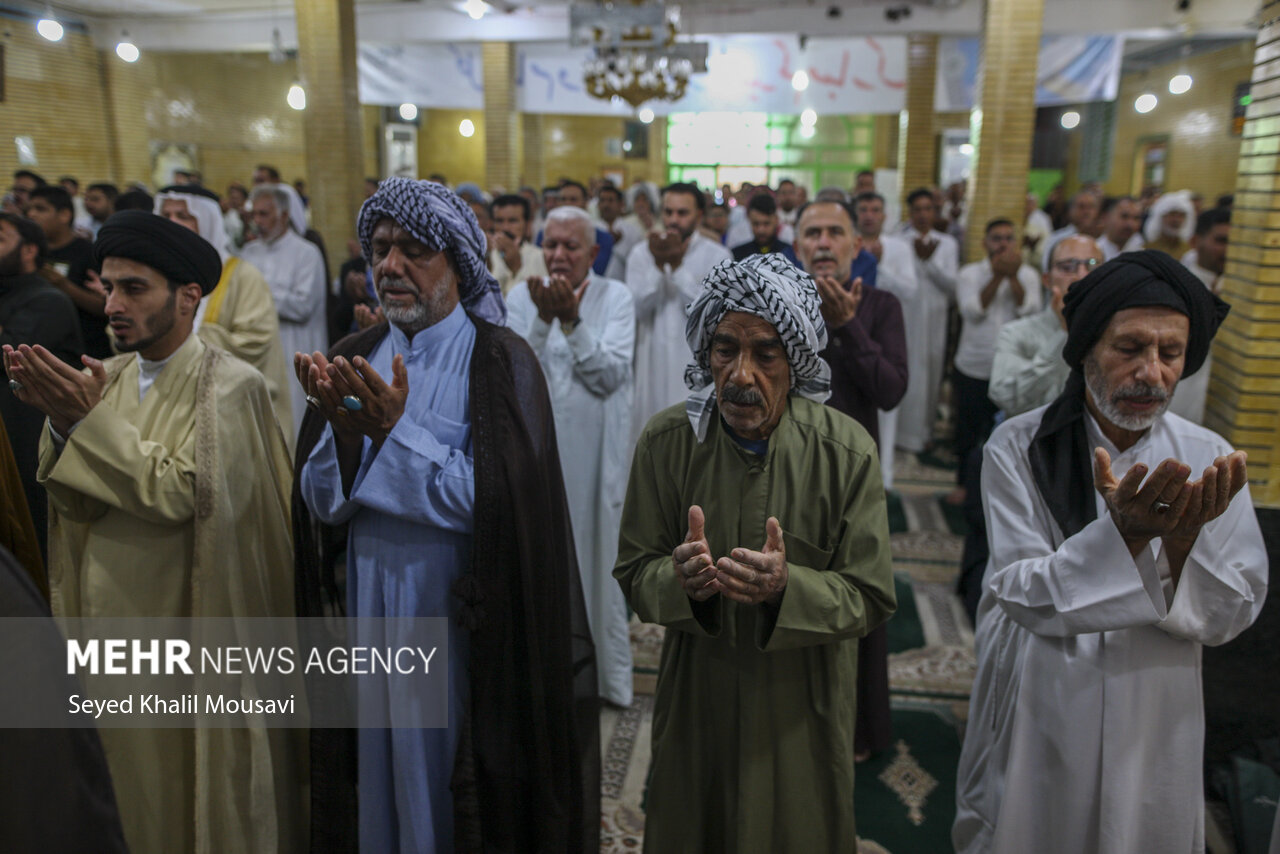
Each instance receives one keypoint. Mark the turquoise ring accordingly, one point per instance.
(352, 403)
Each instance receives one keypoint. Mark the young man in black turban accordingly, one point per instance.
(1101, 588)
(168, 482)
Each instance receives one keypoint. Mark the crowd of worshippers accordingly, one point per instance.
(536, 413)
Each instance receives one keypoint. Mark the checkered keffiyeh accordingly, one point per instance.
(436, 216)
(772, 288)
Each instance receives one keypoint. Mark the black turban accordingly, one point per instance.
(1131, 280)
(1061, 460)
(178, 253)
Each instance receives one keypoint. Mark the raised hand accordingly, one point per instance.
(755, 577)
(695, 568)
(1210, 496)
(61, 392)
(838, 305)
(925, 247)
(379, 405)
(1143, 513)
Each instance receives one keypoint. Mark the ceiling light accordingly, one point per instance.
(127, 50)
(809, 117)
(408, 112)
(49, 28)
(467, 128)
(806, 131)
(476, 9)
(1179, 83)
(1145, 103)
(645, 115)
(1070, 119)
(297, 97)
(800, 81)
(966, 149)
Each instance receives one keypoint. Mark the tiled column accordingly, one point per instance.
(1244, 389)
(917, 145)
(331, 122)
(502, 141)
(1004, 114)
(534, 172)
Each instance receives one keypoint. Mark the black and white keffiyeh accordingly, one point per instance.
(436, 215)
(770, 287)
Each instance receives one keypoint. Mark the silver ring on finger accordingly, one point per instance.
(313, 401)
(15, 386)
(1162, 507)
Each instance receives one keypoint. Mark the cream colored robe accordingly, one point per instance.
(240, 317)
(179, 506)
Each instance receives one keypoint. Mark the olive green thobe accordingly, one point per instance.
(177, 505)
(755, 708)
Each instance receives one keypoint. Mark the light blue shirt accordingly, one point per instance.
(410, 510)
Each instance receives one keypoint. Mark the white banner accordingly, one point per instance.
(446, 76)
(1071, 70)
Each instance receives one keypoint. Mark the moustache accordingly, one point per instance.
(822, 255)
(741, 396)
(390, 284)
(1141, 390)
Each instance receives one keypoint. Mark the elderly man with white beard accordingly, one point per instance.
(582, 327)
(239, 315)
(1102, 588)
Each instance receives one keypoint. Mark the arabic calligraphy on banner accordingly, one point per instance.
(744, 74)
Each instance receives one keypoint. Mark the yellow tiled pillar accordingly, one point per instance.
(917, 146)
(1244, 389)
(1003, 119)
(331, 121)
(534, 171)
(658, 151)
(502, 142)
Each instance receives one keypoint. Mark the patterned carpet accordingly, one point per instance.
(905, 797)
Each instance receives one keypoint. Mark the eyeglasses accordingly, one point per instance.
(1071, 265)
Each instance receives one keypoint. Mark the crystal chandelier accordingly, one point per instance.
(637, 75)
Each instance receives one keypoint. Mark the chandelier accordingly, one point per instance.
(636, 75)
(635, 55)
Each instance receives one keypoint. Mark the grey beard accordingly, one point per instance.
(417, 317)
(1102, 396)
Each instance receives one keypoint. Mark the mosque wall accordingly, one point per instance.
(1202, 149)
(441, 148)
(53, 93)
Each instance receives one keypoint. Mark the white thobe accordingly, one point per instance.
(896, 273)
(977, 347)
(1086, 724)
(661, 295)
(1192, 392)
(1037, 224)
(629, 234)
(926, 320)
(590, 380)
(294, 270)
(1110, 250)
(1028, 370)
(531, 264)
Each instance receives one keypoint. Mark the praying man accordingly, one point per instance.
(1111, 565)
(429, 438)
(755, 530)
(168, 485)
(239, 315)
